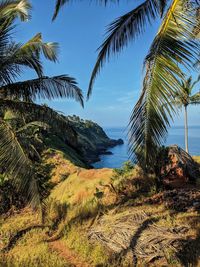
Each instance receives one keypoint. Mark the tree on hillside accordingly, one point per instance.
(19, 96)
(184, 98)
(174, 47)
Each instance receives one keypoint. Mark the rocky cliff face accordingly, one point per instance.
(82, 141)
(92, 140)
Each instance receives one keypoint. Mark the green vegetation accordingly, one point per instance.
(19, 96)
(184, 98)
(92, 139)
(130, 182)
(93, 253)
(92, 214)
(174, 48)
(97, 217)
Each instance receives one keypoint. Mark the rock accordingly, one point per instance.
(120, 142)
(177, 168)
(187, 199)
(92, 139)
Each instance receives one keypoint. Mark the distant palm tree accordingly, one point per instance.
(19, 96)
(175, 42)
(184, 98)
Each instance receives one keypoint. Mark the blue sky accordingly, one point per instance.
(79, 29)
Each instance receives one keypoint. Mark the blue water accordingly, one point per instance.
(120, 154)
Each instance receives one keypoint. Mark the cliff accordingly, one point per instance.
(92, 140)
(82, 141)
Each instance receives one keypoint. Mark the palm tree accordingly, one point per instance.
(184, 98)
(175, 42)
(19, 96)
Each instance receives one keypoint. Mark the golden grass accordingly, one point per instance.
(61, 167)
(81, 186)
(76, 239)
(32, 251)
(78, 194)
(10, 226)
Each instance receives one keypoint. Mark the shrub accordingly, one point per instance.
(130, 181)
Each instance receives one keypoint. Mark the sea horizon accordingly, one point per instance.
(120, 153)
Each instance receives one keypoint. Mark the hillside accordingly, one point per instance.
(82, 141)
(92, 140)
(104, 218)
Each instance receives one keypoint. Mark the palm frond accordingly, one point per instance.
(152, 113)
(11, 9)
(195, 82)
(125, 28)
(13, 58)
(6, 73)
(44, 87)
(34, 112)
(197, 26)
(195, 99)
(36, 45)
(61, 3)
(16, 166)
(34, 124)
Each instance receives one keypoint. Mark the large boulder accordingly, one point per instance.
(177, 168)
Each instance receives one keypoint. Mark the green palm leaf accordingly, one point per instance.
(34, 124)
(61, 3)
(15, 165)
(12, 59)
(195, 99)
(11, 9)
(36, 45)
(124, 29)
(16, 8)
(152, 113)
(44, 87)
(39, 113)
(16, 55)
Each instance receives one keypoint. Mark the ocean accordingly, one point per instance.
(120, 153)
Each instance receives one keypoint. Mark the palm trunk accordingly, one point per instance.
(186, 130)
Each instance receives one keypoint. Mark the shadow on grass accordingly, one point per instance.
(189, 254)
(19, 235)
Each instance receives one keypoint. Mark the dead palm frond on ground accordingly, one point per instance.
(175, 47)
(19, 96)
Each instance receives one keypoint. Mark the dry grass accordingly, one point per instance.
(76, 239)
(150, 232)
(85, 208)
(32, 251)
(11, 225)
(30, 248)
(80, 186)
(60, 166)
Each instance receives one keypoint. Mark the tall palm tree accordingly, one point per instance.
(184, 98)
(19, 96)
(175, 42)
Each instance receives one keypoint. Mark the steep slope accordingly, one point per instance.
(92, 140)
(82, 141)
(104, 218)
